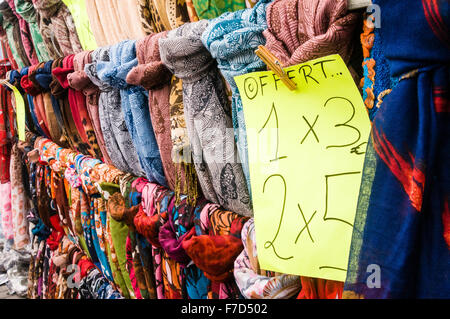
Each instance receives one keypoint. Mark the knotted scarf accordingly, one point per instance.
(402, 221)
(298, 31)
(119, 146)
(256, 283)
(232, 39)
(133, 102)
(41, 78)
(207, 117)
(153, 75)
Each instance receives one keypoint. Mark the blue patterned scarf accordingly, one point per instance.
(134, 101)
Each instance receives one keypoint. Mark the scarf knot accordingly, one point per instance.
(151, 73)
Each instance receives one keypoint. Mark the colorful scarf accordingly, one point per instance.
(401, 245)
(213, 9)
(25, 34)
(298, 31)
(78, 10)
(207, 115)
(119, 146)
(155, 77)
(77, 102)
(11, 25)
(79, 81)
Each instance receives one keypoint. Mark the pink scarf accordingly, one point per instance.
(299, 31)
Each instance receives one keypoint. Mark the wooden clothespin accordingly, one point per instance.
(272, 62)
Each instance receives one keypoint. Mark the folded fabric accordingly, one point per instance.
(232, 39)
(133, 99)
(207, 117)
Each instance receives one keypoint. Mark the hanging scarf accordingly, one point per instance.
(119, 146)
(79, 81)
(79, 13)
(213, 9)
(6, 49)
(148, 221)
(215, 248)
(402, 220)
(232, 39)
(95, 23)
(19, 201)
(41, 84)
(5, 130)
(6, 215)
(35, 99)
(77, 102)
(27, 11)
(193, 16)
(12, 28)
(60, 95)
(57, 28)
(25, 35)
(43, 77)
(133, 99)
(256, 283)
(207, 115)
(155, 77)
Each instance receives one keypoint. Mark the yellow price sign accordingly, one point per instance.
(306, 154)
